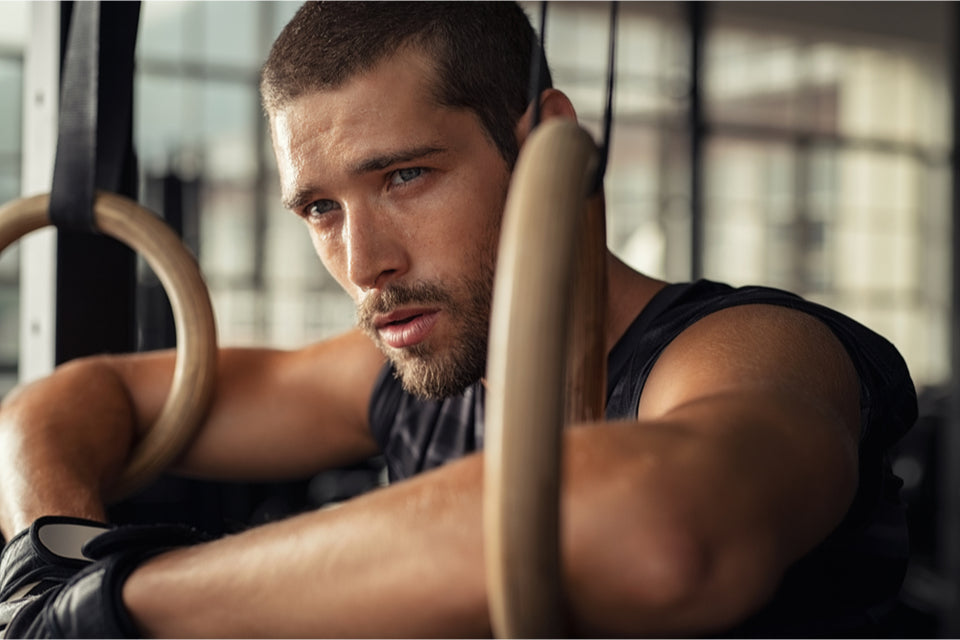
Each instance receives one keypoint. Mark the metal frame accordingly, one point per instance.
(949, 511)
(38, 251)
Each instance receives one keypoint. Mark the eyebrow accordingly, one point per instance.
(376, 163)
(381, 162)
(298, 199)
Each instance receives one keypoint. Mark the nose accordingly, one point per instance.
(375, 250)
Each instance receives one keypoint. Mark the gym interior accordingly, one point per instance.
(809, 146)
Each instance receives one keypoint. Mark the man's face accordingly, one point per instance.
(403, 199)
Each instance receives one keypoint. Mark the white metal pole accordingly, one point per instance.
(38, 251)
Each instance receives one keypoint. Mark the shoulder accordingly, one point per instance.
(758, 349)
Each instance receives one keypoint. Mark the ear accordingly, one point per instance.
(553, 104)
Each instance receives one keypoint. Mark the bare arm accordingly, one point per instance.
(275, 414)
(679, 523)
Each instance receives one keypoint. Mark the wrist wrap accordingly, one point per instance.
(83, 593)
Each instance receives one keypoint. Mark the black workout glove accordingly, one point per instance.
(40, 559)
(89, 604)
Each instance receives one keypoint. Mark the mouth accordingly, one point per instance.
(406, 327)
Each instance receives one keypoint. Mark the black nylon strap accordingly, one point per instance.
(540, 79)
(74, 172)
(96, 104)
(608, 110)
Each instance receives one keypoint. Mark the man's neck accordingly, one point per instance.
(628, 292)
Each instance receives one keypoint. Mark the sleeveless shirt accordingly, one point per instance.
(849, 582)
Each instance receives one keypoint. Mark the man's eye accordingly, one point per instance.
(402, 176)
(320, 207)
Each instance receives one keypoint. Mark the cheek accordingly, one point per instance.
(477, 212)
(486, 228)
(333, 258)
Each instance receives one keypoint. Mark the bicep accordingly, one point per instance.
(274, 414)
(774, 397)
(742, 459)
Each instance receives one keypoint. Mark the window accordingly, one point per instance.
(199, 118)
(826, 164)
(825, 151)
(825, 156)
(14, 18)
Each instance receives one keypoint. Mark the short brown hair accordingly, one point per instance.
(482, 51)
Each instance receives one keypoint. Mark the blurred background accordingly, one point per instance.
(804, 145)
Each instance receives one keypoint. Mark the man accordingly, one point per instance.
(739, 485)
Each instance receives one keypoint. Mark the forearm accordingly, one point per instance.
(62, 440)
(402, 561)
(407, 560)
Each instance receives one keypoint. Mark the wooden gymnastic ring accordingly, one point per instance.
(195, 371)
(545, 217)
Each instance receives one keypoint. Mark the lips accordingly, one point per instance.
(407, 327)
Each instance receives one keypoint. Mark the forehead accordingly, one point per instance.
(394, 97)
(325, 137)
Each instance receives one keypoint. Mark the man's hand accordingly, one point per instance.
(39, 560)
(63, 577)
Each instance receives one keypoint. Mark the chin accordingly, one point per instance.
(428, 381)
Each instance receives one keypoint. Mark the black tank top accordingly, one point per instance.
(844, 586)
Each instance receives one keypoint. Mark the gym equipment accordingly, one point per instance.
(195, 372)
(546, 362)
(549, 305)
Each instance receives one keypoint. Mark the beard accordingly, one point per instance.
(432, 371)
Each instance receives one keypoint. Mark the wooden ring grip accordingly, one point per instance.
(546, 358)
(195, 371)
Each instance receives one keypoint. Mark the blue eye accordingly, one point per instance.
(403, 176)
(320, 207)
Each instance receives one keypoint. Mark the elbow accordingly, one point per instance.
(663, 571)
(668, 570)
(671, 572)
(634, 586)
(83, 409)
(665, 583)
